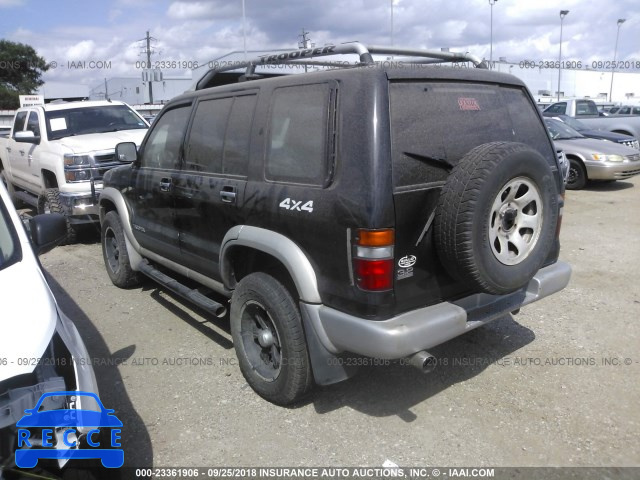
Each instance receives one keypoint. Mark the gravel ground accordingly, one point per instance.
(556, 385)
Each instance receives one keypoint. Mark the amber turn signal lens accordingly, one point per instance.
(375, 238)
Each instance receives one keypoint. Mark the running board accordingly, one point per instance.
(185, 292)
(26, 198)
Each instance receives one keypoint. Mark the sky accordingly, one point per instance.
(88, 41)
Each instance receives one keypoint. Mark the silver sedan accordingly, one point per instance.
(592, 159)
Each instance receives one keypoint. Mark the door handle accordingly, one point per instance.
(165, 185)
(228, 194)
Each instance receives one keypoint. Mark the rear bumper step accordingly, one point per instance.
(185, 292)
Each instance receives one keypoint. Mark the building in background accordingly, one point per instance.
(134, 91)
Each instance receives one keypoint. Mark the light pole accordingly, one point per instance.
(615, 51)
(244, 31)
(563, 13)
(392, 40)
(491, 3)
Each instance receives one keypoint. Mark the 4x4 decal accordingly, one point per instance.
(291, 204)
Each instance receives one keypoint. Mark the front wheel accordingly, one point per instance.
(49, 202)
(269, 339)
(114, 252)
(577, 178)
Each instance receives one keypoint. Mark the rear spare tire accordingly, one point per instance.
(496, 218)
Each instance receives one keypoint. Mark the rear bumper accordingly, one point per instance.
(410, 332)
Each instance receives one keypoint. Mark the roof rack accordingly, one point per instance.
(365, 58)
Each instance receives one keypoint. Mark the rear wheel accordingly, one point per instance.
(49, 202)
(577, 178)
(114, 252)
(269, 339)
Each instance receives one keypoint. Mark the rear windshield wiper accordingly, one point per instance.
(437, 162)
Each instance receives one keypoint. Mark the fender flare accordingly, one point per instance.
(133, 247)
(279, 247)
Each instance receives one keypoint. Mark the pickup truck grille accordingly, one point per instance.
(105, 158)
(631, 143)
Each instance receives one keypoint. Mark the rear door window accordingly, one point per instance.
(435, 124)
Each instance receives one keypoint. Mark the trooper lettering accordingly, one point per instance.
(327, 50)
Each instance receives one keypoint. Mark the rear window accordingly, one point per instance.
(586, 108)
(435, 124)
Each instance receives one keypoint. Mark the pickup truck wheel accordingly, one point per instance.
(497, 215)
(114, 252)
(49, 202)
(269, 339)
(577, 178)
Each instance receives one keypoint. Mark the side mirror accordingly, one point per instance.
(126, 152)
(47, 231)
(27, 137)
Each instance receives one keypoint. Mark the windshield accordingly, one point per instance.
(573, 123)
(86, 120)
(10, 252)
(561, 131)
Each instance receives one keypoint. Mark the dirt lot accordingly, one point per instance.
(555, 385)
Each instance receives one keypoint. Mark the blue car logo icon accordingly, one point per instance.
(61, 430)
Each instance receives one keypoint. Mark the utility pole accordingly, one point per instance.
(148, 52)
(106, 91)
(305, 42)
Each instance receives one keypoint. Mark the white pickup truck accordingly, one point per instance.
(56, 154)
(586, 111)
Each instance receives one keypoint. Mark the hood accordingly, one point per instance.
(95, 142)
(29, 316)
(587, 146)
(614, 137)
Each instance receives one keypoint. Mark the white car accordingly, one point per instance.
(40, 348)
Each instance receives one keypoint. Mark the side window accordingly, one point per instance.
(162, 149)
(33, 125)
(558, 108)
(297, 138)
(219, 137)
(206, 140)
(18, 124)
(624, 111)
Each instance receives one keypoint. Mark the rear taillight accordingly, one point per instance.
(373, 259)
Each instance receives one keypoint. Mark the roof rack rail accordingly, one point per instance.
(306, 57)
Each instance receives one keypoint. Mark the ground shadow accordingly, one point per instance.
(392, 389)
(136, 441)
(613, 186)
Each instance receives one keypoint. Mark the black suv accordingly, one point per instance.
(375, 210)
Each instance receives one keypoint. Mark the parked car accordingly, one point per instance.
(586, 111)
(626, 140)
(625, 110)
(592, 159)
(350, 212)
(40, 347)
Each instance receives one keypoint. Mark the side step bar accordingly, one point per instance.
(26, 198)
(185, 292)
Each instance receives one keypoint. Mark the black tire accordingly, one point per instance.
(496, 218)
(577, 178)
(114, 253)
(49, 202)
(263, 310)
